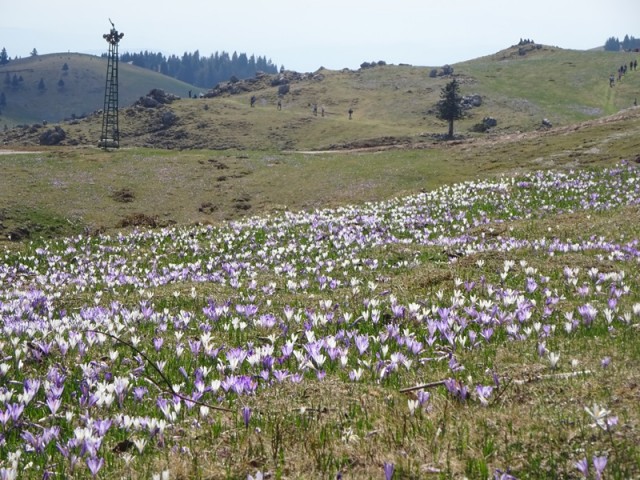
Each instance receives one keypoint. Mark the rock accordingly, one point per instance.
(471, 101)
(52, 136)
(489, 122)
(156, 98)
(168, 118)
(148, 102)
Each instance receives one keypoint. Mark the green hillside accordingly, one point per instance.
(392, 105)
(74, 90)
(564, 85)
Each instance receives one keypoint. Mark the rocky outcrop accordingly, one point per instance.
(156, 98)
(262, 81)
(52, 136)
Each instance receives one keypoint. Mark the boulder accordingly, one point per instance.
(52, 136)
(155, 98)
(489, 122)
(471, 101)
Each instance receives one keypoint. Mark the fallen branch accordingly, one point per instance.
(423, 386)
(170, 390)
(561, 376)
(537, 378)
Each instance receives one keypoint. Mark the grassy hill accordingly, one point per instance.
(260, 165)
(564, 85)
(60, 190)
(81, 91)
(391, 104)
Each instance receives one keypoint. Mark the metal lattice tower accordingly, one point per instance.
(110, 137)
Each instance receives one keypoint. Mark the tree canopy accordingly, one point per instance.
(613, 44)
(204, 72)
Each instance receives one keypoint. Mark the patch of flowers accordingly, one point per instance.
(136, 337)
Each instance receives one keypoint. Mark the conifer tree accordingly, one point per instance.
(449, 107)
(4, 57)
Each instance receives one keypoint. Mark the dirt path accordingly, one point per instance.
(16, 152)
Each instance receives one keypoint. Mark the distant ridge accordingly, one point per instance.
(73, 87)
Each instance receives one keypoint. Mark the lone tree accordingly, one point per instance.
(449, 107)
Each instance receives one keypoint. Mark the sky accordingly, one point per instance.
(305, 35)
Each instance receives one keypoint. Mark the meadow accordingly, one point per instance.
(484, 328)
(282, 295)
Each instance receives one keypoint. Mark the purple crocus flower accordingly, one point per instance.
(15, 411)
(423, 397)
(398, 310)
(389, 468)
(531, 285)
(599, 463)
(280, 375)
(34, 443)
(53, 404)
(588, 313)
(484, 392)
(246, 416)
(139, 393)
(362, 343)
(95, 464)
(101, 427)
(583, 466)
(500, 475)
(157, 343)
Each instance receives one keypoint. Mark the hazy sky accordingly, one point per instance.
(304, 35)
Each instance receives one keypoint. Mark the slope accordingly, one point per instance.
(63, 86)
(391, 105)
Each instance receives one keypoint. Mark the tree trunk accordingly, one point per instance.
(450, 135)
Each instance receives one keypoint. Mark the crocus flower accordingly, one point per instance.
(599, 415)
(389, 468)
(588, 313)
(246, 416)
(95, 464)
(484, 392)
(554, 358)
(599, 463)
(583, 466)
